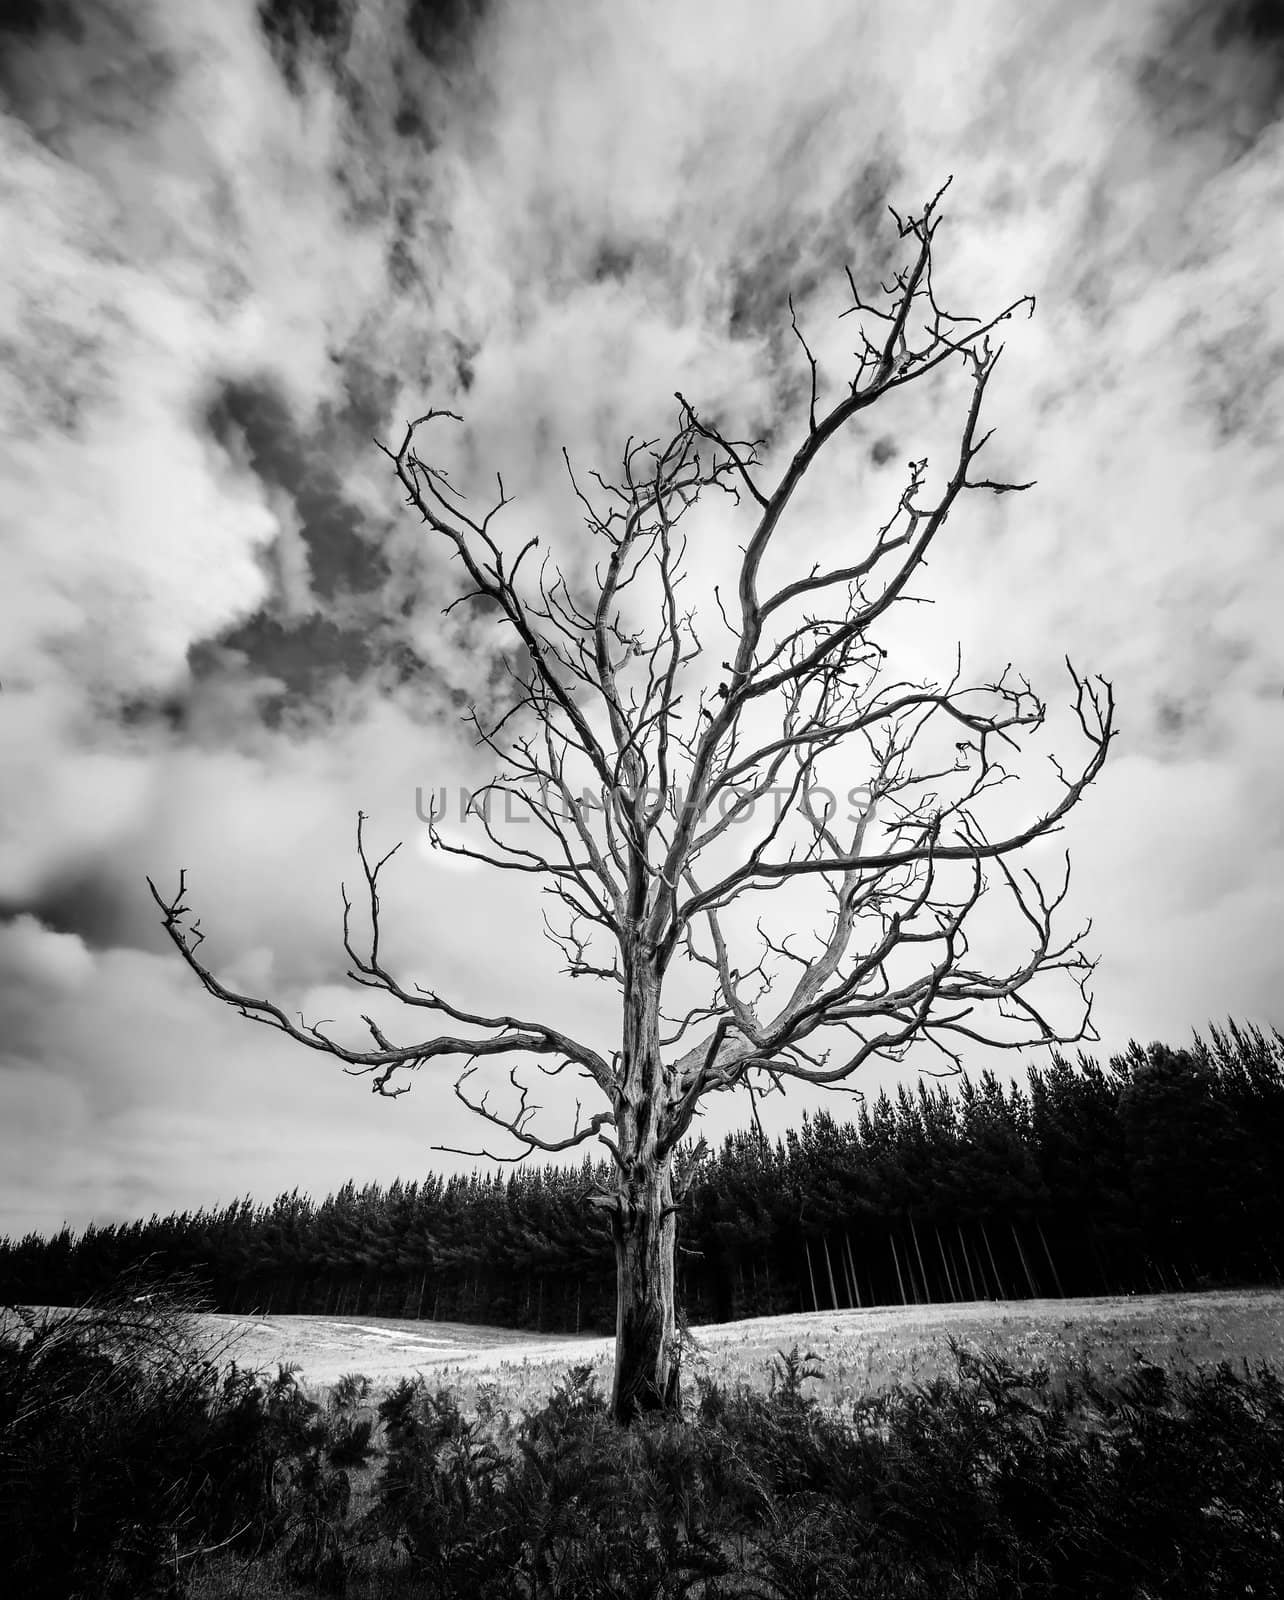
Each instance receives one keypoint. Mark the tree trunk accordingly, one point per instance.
(643, 1220)
(1056, 1276)
(829, 1268)
(950, 1286)
(922, 1270)
(1003, 1293)
(1029, 1276)
(896, 1258)
(646, 1355)
(967, 1260)
(851, 1272)
(815, 1299)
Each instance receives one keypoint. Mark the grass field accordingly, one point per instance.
(862, 1352)
(1137, 1478)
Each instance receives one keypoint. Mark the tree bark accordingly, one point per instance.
(643, 1220)
(646, 1354)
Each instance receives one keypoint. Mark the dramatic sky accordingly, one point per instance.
(239, 242)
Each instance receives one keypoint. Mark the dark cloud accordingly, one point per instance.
(299, 30)
(301, 659)
(341, 554)
(356, 621)
(1172, 718)
(802, 254)
(361, 413)
(441, 29)
(799, 260)
(339, 612)
(70, 64)
(325, 624)
(92, 902)
(294, 26)
(1261, 22)
(1218, 68)
(27, 19)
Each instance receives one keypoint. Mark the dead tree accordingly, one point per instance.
(666, 800)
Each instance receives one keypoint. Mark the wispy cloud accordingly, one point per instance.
(233, 259)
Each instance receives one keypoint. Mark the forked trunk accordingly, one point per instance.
(646, 1352)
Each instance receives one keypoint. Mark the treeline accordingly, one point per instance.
(1163, 1170)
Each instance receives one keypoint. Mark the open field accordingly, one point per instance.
(983, 1474)
(863, 1352)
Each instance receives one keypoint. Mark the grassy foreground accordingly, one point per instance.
(1043, 1449)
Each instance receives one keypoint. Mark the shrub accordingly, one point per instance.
(990, 1482)
(351, 1436)
(125, 1451)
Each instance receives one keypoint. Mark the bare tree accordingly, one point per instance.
(665, 807)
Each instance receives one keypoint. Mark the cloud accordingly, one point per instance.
(140, 1096)
(34, 955)
(241, 254)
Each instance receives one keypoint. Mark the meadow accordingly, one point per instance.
(863, 1353)
(1131, 1447)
